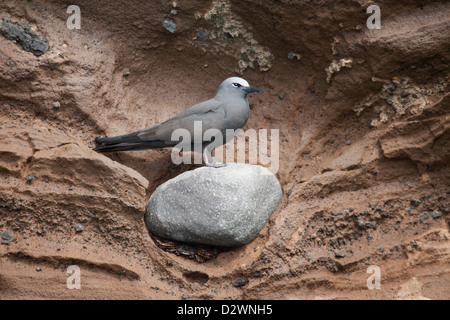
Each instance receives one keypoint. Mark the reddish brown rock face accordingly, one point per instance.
(363, 118)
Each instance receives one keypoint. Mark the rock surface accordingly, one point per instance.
(225, 206)
(363, 199)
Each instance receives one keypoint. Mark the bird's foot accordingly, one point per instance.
(215, 164)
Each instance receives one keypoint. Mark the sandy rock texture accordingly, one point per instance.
(364, 126)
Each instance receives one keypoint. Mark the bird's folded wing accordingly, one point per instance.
(209, 113)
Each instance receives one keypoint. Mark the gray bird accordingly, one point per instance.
(229, 109)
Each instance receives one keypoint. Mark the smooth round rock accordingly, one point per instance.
(225, 206)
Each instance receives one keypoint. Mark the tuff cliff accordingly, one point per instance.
(364, 143)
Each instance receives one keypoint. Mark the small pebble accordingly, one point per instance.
(38, 269)
(339, 254)
(7, 237)
(240, 282)
(361, 225)
(79, 228)
(281, 95)
(349, 142)
(170, 25)
(56, 105)
(292, 55)
(415, 201)
(436, 214)
(126, 72)
(30, 179)
(424, 217)
(202, 34)
(10, 63)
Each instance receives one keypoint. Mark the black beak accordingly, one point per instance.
(250, 90)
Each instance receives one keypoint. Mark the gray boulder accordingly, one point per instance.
(225, 206)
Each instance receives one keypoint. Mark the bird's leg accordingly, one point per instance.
(214, 163)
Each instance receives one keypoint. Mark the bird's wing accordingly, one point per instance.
(210, 113)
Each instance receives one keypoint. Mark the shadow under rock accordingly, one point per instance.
(154, 165)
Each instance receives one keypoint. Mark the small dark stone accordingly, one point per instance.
(245, 57)
(436, 214)
(7, 237)
(339, 254)
(333, 268)
(281, 95)
(30, 179)
(79, 228)
(126, 72)
(57, 106)
(38, 269)
(202, 34)
(10, 63)
(170, 25)
(415, 201)
(25, 38)
(361, 225)
(240, 282)
(424, 217)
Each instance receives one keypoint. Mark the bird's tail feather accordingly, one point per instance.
(130, 146)
(131, 137)
(127, 142)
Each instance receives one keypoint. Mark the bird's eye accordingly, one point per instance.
(237, 85)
